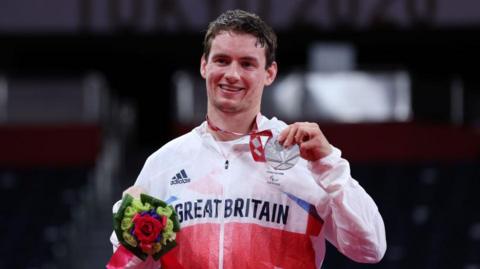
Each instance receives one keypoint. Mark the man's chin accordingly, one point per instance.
(228, 108)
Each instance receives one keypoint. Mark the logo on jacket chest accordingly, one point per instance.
(180, 178)
(274, 177)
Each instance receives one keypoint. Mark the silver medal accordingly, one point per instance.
(279, 157)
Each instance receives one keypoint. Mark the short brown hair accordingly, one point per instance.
(240, 21)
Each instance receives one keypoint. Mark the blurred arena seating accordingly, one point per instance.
(430, 210)
(37, 207)
(58, 164)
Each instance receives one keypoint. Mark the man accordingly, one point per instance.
(235, 209)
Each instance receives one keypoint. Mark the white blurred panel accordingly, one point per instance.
(358, 97)
(184, 96)
(287, 97)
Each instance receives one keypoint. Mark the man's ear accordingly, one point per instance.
(271, 73)
(203, 67)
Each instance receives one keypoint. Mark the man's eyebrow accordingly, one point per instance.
(220, 55)
(245, 58)
(248, 58)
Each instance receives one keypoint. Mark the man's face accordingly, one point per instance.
(235, 73)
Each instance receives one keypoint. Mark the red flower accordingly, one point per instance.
(147, 229)
(146, 248)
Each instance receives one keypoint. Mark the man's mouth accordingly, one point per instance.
(230, 88)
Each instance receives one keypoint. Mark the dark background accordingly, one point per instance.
(423, 173)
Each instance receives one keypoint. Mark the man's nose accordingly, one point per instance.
(232, 73)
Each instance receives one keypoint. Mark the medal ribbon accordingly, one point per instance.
(256, 147)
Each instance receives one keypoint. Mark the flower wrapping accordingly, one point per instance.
(146, 226)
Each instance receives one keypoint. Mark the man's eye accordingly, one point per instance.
(247, 64)
(221, 61)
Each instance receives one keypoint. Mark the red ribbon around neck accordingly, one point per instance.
(257, 148)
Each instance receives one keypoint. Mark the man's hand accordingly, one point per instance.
(134, 191)
(313, 144)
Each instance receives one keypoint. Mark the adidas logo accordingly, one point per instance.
(180, 178)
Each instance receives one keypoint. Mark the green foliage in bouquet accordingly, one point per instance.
(146, 226)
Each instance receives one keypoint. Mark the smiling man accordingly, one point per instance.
(253, 192)
(235, 68)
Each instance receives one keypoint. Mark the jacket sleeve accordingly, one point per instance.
(352, 222)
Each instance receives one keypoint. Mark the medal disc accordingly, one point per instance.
(279, 157)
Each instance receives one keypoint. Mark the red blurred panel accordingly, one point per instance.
(55, 145)
(404, 142)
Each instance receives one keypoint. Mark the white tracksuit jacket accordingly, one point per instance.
(238, 213)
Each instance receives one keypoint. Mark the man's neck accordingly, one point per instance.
(230, 123)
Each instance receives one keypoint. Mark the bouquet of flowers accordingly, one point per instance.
(146, 226)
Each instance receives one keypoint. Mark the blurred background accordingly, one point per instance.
(88, 89)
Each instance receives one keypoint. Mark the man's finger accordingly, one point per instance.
(314, 149)
(283, 134)
(291, 136)
(302, 136)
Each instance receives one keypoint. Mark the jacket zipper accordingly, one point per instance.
(222, 224)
